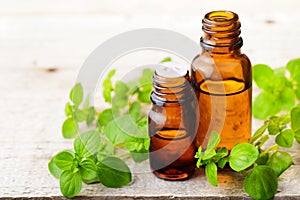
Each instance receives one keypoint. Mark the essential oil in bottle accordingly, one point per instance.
(172, 123)
(222, 77)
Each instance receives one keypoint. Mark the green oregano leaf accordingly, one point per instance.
(53, 169)
(211, 173)
(88, 171)
(242, 156)
(222, 162)
(295, 118)
(280, 161)
(214, 140)
(285, 138)
(107, 86)
(70, 128)
(76, 94)
(87, 144)
(79, 115)
(91, 112)
(113, 172)
(293, 67)
(64, 160)
(261, 183)
(167, 59)
(70, 183)
(105, 117)
(265, 104)
(263, 76)
(135, 110)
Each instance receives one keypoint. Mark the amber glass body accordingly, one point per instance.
(173, 122)
(222, 77)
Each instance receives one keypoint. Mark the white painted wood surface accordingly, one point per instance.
(36, 35)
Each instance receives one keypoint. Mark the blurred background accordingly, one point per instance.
(43, 44)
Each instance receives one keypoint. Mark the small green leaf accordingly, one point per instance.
(294, 68)
(70, 128)
(263, 76)
(287, 98)
(214, 140)
(113, 172)
(208, 154)
(91, 112)
(87, 144)
(114, 133)
(285, 138)
(265, 104)
(242, 156)
(76, 94)
(68, 110)
(70, 184)
(273, 128)
(222, 162)
(211, 173)
(88, 171)
(258, 133)
(79, 115)
(295, 118)
(53, 169)
(105, 117)
(261, 183)
(280, 161)
(107, 86)
(64, 160)
(121, 89)
(119, 101)
(144, 96)
(167, 59)
(135, 110)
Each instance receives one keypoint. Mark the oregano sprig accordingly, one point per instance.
(263, 166)
(123, 126)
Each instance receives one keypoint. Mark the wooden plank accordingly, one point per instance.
(38, 35)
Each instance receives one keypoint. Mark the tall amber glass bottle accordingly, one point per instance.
(221, 76)
(172, 124)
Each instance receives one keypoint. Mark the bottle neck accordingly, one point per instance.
(221, 33)
(171, 89)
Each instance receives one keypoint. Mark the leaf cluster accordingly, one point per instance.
(82, 165)
(122, 125)
(280, 88)
(262, 167)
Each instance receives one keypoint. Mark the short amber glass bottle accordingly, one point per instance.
(221, 76)
(172, 124)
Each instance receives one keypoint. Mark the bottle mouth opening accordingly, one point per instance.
(221, 16)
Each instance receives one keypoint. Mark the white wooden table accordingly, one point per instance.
(42, 47)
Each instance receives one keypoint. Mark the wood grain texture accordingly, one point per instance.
(44, 43)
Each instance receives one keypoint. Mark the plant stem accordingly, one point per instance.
(274, 147)
(123, 155)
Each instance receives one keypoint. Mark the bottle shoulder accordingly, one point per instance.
(212, 60)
